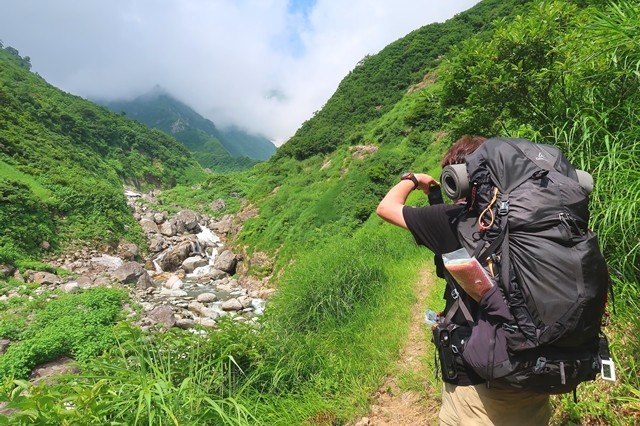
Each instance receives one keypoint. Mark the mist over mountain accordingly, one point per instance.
(214, 148)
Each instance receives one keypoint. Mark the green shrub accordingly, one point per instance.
(78, 325)
(161, 379)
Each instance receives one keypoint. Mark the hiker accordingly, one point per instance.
(466, 399)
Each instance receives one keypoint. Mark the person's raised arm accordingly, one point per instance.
(390, 208)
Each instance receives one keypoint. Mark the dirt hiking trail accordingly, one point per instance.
(392, 406)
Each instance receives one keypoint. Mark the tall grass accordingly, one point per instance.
(338, 321)
(603, 138)
(170, 379)
(326, 342)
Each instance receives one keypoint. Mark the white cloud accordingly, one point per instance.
(223, 57)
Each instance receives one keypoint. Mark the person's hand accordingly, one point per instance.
(425, 182)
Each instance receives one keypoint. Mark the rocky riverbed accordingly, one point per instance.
(185, 278)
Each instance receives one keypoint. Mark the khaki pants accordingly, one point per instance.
(476, 405)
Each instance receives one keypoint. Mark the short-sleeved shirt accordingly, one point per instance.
(434, 227)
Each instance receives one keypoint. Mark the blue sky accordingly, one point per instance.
(265, 65)
(300, 9)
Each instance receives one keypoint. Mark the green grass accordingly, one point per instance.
(71, 324)
(167, 379)
(11, 173)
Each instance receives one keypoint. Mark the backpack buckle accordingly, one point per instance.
(455, 294)
(504, 207)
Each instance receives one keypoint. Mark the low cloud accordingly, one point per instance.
(265, 65)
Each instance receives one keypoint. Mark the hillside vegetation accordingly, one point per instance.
(63, 162)
(558, 72)
(220, 150)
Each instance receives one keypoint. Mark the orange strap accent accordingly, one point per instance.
(489, 210)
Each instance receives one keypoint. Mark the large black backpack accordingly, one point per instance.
(526, 222)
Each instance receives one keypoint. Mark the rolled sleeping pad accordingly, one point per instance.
(455, 181)
(585, 180)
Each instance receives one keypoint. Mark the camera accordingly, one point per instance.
(435, 195)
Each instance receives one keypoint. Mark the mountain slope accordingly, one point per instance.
(68, 158)
(379, 81)
(331, 174)
(220, 150)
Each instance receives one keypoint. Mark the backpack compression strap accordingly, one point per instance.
(458, 304)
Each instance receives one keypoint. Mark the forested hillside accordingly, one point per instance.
(221, 150)
(63, 163)
(558, 72)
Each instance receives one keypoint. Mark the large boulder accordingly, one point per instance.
(128, 251)
(45, 278)
(174, 257)
(206, 297)
(193, 262)
(156, 244)
(226, 261)
(133, 273)
(231, 305)
(148, 226)
(158, 218)
(187, 220)
(169, 229)
(163, 315)
(109, 263)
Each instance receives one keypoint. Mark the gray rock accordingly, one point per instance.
(169, 229)
(156, 244)
(84, 281)
(148, 226)
(226, 261)
(6, 270)
(206, 298)
(71, 287)
(129, 272)
(231, 305)
(18, 276)
(174, 257)
(193, 262)
(147, 306)
(206, 322)
(133, 272)
(185, 323)
(188, 218)
(63, 365)
(245, 301)
(211, 313)
(46, 278)
(163, 315)
(102, 282)
(211, 275)
(4, 344)
(108, 262)
(145, 281)
(197, 308)
(128, 251)
(223, 226)
(158, 218)
(173, 283)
